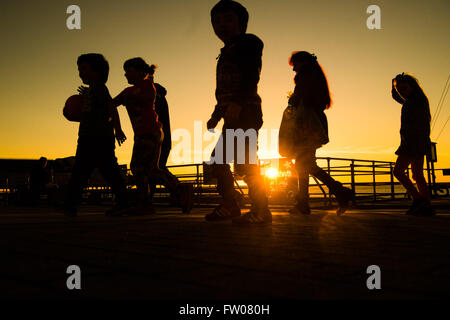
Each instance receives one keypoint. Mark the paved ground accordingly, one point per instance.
(171, 256)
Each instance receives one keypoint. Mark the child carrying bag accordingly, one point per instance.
(300, 128)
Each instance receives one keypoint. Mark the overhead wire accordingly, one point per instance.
(440, 103)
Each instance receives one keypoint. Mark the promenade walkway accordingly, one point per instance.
(171, 256)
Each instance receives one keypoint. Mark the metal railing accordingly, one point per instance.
(369, 179)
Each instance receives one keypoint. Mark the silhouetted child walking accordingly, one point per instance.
(162, 110)
(95, 137)
(312, 97)
(238, 103)
(148, 136)
(415, 141)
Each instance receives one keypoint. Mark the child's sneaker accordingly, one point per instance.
(343, 196)
(418, 206)
(223, 212)
(255, 219)
(413, 207)
(421, 207)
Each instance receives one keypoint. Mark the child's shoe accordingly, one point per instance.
(254, 218)
(421, 207)
(343, 196)
(418, 206)
(224, 212)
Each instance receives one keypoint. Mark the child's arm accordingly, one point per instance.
(219, 112)
(115, 119)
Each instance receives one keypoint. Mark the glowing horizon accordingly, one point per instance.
(39, 67)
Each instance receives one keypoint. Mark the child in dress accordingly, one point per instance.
(312, 95)
(415, 141)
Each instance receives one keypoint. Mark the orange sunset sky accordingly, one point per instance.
(39, 71)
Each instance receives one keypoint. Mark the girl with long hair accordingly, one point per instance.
(311, 97)
(415, 140)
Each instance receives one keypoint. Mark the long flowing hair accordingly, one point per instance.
(417, 88)
(318, 84)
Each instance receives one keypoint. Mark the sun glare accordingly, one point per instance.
(271, 173)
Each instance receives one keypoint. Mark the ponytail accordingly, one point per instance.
(140, 64)
(150, 70)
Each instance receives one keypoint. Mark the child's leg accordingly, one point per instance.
(256, 186)
(221, 170)
(401, 165)
(323, 176)
(252, 177)
(165, 178)
(260, 213)
(303, 165)
(417, 174)
(225, 183)
(81, 171)
(148, 154)
(109, 168)
(343, 194)
(165, 151)
(138, 167)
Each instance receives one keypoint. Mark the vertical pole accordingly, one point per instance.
(198, 175)
(329, 173)
(198, 178)
(392, 181)
(433, 179)
(374, 184)
(429, 174)
(352, 174)
(7, 191)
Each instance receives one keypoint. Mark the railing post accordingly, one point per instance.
(392, 181)
(433, 180)
(352, 174)
(429, 175)
(198, 179)
(374, 183)
(329, 173)
(198, 175)
(7, 191)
